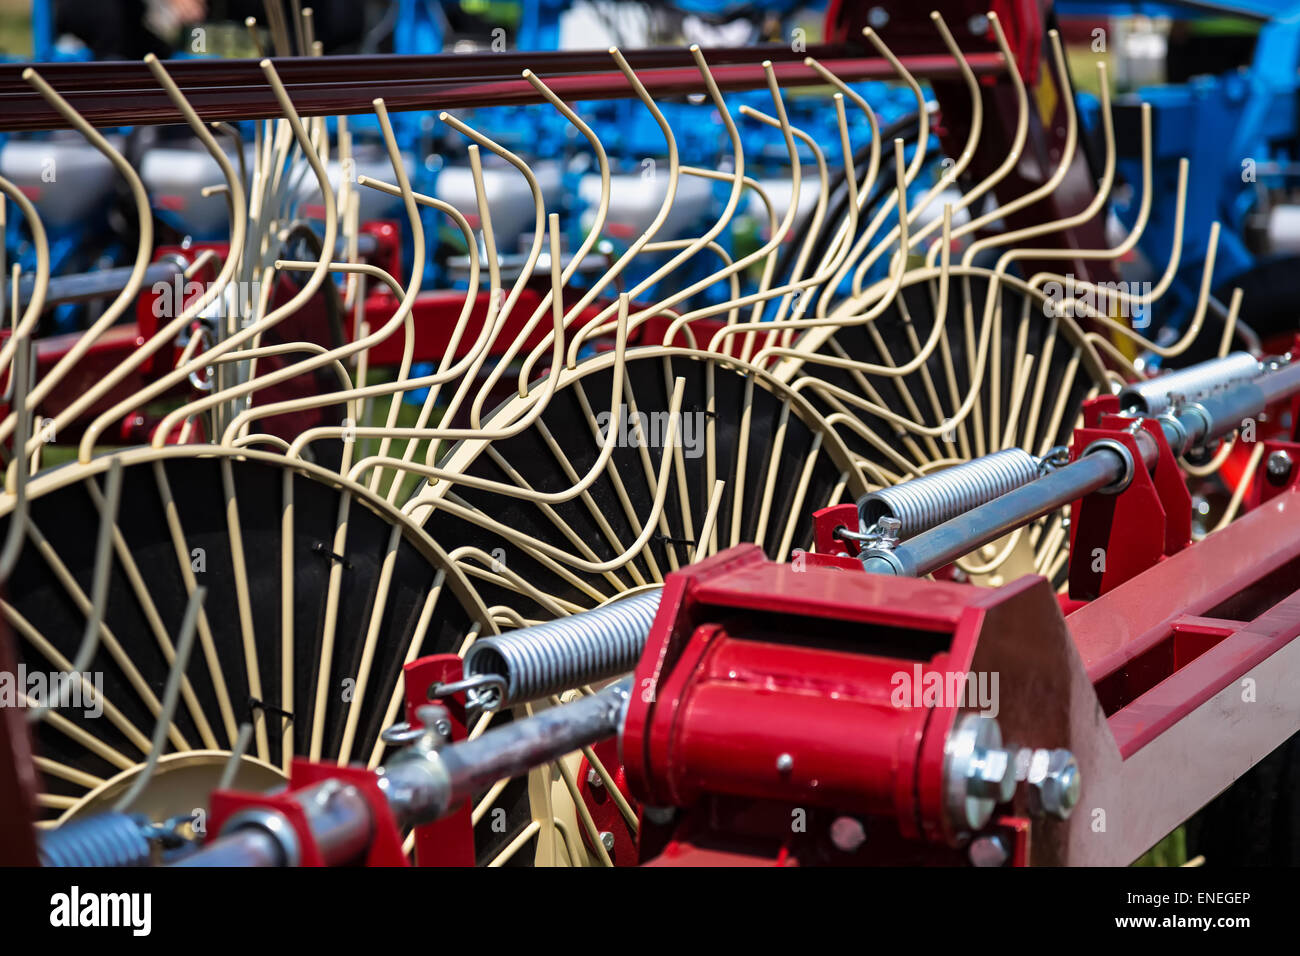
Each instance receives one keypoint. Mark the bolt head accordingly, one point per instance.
(848, 834)
(1279, 468)
(993, 775)
(784, 763)
(593, 779)
(878, 17)
(607, 840)
(1054, 783)
(988, 850)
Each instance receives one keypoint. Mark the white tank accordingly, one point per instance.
(64, 178)
(635, 198)
(510, 200)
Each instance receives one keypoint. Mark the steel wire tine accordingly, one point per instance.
(525, 272)
(1017, 143)
(21, 371)
(99, 583)
(445, 478)
(767, 253)
(893, 283)
(950, 174)
(309, 289)
(688, 247)
(516, 418)
(24, 326)
(166, 334)
(171, 694)
(637, 245)
(913, 170)
(591, 567)
(401, 317)
(125, 297)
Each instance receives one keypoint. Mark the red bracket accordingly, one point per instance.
(1114, 537)
(449, 841)
(829, 520)
(385, 847)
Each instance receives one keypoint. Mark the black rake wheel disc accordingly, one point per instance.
(778, 461)
(219, 499)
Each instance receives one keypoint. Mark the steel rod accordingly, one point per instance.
(1101, 465)
(422, 783)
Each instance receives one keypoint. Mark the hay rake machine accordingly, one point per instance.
(885, 556)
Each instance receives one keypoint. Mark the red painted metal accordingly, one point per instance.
(410, 87)
(18, 784)
(385, 847)
(1114, 537)
(602, 807)
(449, 841)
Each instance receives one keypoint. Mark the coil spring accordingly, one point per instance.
(560, 654)
(109, 839)
(1151, 397)
(922, 503)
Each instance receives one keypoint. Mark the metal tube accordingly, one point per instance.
(425, 781)
(949, 541)
(245, 848)
(1152, 396)
(84, 286)
(1102, 464)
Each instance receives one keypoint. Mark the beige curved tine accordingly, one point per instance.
(20, 373)
(390, 431)
(132, 287)
(844, 234)
(308, 290)
(25, 325)
(913, 170)
(888, 289)
(598, 325)
(764, 253)
(99, 583)
(167, 334)
(1017, 141)
(922, 355)
(796, 286)
(1052, 182)
(592, 567)
(951, 173)
(455, 477)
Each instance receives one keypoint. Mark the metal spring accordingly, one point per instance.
(564, 653)
(109, 839)
(922, 503)
(1152, 397)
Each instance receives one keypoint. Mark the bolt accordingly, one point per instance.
(991, 775)
(659, 816)
(878, 18)
(978, 25)
(888, 528)
(1054, 782)
(848, 834)
(593, 779)
(437, 722)
(988, 850)
(1280, 467)
(607, 840)
(784, 763)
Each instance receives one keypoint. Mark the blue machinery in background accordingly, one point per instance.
(1241, 132)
